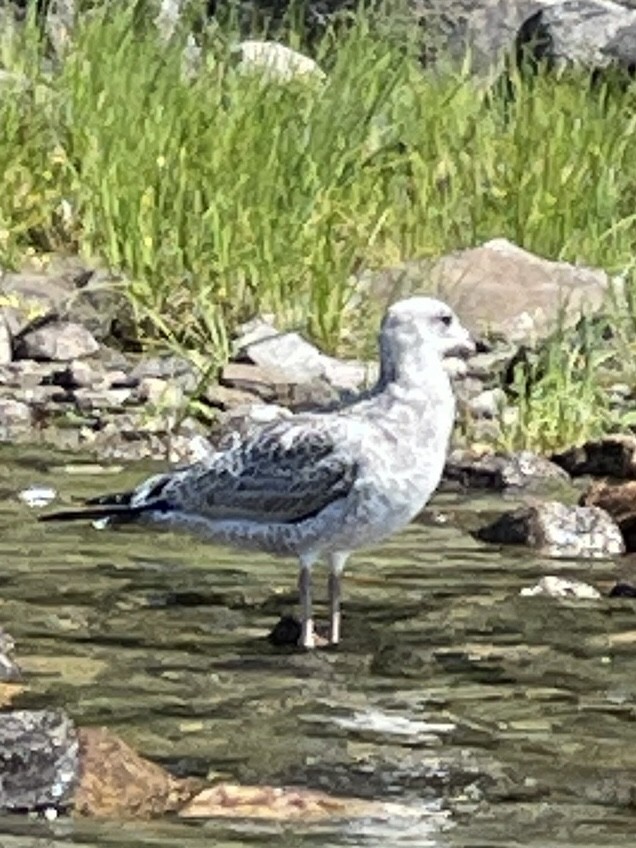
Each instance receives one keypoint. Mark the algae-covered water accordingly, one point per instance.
(492, 719)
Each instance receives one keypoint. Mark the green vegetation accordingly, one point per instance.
(222, 195)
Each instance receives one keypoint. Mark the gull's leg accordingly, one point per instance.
(336, 565)
(304, 588)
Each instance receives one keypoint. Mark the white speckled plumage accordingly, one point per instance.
(324, 484)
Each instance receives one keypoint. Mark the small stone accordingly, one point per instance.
(111, 399)
(172, 368)
(82, 375)
(259, 328)
(26, 373)
(224, 397)
(488, 404)
(557, 530)
(159, 392)
(14, 413)
(57, 342)
(252, 379)
(37, 496)
(9, 671)
(561, 587)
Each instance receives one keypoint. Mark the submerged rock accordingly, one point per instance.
(619, 500)
(561, 587)
(38, 760)
(499, 471)
(557, 530)
(613, 456)
(115, 781)
(229, 800)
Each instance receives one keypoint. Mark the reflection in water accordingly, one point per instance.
(495, 719)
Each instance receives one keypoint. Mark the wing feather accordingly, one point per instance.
(287, 472)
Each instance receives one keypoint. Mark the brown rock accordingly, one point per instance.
(229, 800)
(619, 501)
(9, 692)
(613, 456)
(499, 289)
(115, 781)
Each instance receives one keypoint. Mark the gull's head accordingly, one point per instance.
(424, 324)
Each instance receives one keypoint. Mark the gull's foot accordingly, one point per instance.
(288, 632)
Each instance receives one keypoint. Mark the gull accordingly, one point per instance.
(321, 484)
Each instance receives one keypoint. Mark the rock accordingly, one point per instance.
(561, 587)
(350, 375)
(612, 456)
(282, 804)
(619, 500)
(505, 291)
(288, 356)
(622, 589)
(590, 34)
(487, 404)
(557, 530)
(499, 289)
(276, 61)
(58, 342)
(253, 379)
(225, 398)
(291, 359)
(37, 496)
(68, 291)
(6, 351)
(27, 374)
(499, 471)
(9, 671)
(116, 782)
(101, 399)
(620, 48)
(159, 392)
(173, 368)
(14, 415)
(244, 420)
(38, 760)
(259, 328)
(287, 631)
(81, 375)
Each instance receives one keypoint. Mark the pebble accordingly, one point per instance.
(37, 496)
(561, 587)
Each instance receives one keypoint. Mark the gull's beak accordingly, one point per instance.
(464, 347)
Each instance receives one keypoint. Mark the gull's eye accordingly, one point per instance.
(446, 320)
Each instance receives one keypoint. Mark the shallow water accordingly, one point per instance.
(494, 720)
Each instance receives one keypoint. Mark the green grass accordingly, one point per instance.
(222, 195)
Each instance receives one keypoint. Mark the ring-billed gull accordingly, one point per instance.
(321, 484)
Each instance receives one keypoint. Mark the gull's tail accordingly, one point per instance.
(118, 508)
